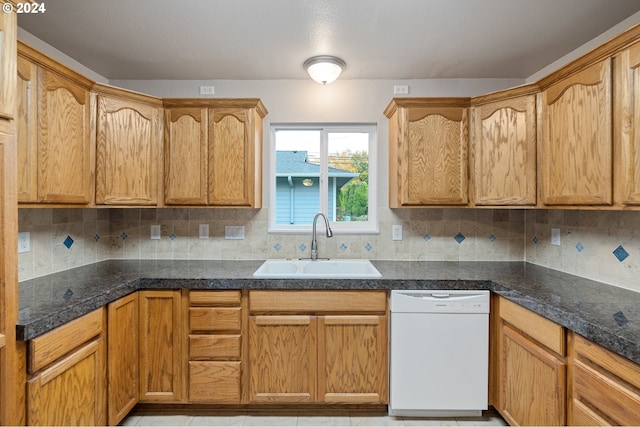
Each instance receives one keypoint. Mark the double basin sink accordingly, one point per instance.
(318, 269)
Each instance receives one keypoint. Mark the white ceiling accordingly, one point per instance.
(270, 39)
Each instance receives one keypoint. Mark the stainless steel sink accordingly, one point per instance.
(320, 269)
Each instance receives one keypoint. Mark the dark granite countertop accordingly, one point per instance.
(605, 314)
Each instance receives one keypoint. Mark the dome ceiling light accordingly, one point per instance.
(324, 68)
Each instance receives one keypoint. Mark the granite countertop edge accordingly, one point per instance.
(123, 284)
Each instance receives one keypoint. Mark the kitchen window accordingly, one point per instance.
(323, 168)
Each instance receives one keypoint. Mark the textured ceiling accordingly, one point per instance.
(270, 39)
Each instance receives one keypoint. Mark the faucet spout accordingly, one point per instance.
(314, 243)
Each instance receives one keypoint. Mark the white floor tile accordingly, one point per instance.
(265, 420)
(233, 420)
(357, 420)
(321, 420)
(164, 420)
(429, 421)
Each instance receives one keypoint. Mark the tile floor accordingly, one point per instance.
(489, 418)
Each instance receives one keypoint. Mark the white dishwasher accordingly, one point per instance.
(439, 354)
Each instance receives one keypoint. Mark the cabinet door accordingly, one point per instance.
(70, 392)
(504, 152)
(186, 162)
(161, 375)
(576, 158)
(433, 158)
(532, 382)
(64, 149)
(126, 153)
(27, 122)
(627, 126)
(8, 28)
(232, 174)
(282, 359)
(122, 360)
(352, 359)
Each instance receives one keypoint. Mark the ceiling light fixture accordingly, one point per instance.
(324, 68)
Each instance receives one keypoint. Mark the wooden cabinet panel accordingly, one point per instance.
(70, 392)
(64, 149)
(282, 358)
(352, 359)
(160, 320)
(576, 155)
(206, 298)
(317, 301)
(214, 347)
(8, 29)
(214, 382)
(127, 152)
(503, 152)
(186, 162)
(428, 145)
(532, 382)
(627, 126)
(27, 122)
(214, 319)
(122, 357)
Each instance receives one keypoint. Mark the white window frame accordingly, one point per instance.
(338, 227)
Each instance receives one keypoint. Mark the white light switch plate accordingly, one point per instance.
(234, 232)
(203, 231)
(24, 242)
(555, 236)
(396, 232)
(155, 232)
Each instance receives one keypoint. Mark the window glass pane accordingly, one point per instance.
(297, 176)
(348, 173)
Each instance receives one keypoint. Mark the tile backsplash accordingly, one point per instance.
(602, 245)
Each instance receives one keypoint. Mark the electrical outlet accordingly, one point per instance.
(234, 232)
(555, 236)
(24, 242)
(207, 90)
(203, 231)
(155, 232)
(401, 90)
(396, 232)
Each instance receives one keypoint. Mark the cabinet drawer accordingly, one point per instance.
(214, 382)
(214, 319)
(318, 301)
(537, 327)
(205, 298)
(214, 347)
(52, 345)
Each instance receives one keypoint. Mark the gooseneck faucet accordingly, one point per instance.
(314, 243)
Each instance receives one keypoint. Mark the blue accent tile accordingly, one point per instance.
(96, 237)
(535, 240)
(124, 236)
(277, 247)
(620, 318)
(579, 247)
(343, 247)
(173, 236)
(302, 247)
(426, 237)
(68, 242)
(459, 238)
(67, 295)
(368, 247)
(493, 237)
(620, 253)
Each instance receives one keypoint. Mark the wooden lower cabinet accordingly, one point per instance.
(308, 356)
(122, 357)
(160, 345)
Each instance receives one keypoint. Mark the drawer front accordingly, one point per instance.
(214, 319)
(318, 301)
(205, 298)
(214, 382)
(537, 327)
(55, 344)
(214, 347)
(607, 398)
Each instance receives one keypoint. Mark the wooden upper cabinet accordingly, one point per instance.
(127, 147)
(8, 28)
(428, 143)
(235, 156)
(185, 153)
(576, 152)
(627, 126)
(27, 123)
(503, 149)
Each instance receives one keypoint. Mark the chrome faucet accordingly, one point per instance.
(314, 243)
